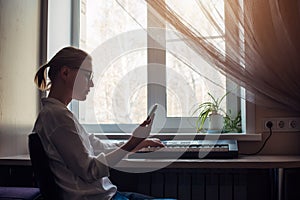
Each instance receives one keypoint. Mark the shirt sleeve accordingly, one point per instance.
(101, 146)
(76, 156)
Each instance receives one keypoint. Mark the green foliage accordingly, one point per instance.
(232, 124)
(206, 108)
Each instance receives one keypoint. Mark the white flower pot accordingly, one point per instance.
(216, 123)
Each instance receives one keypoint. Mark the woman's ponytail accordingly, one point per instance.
(40, 78)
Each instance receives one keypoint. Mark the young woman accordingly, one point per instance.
(80, 171)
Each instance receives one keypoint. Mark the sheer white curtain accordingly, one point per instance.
(262, 44)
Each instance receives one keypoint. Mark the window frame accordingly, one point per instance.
(114, 130)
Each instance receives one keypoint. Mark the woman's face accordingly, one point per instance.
(83, 81)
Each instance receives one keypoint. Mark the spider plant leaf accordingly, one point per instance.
(203, 118)
(221, 99)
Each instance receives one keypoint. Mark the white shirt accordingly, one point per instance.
(80, 171)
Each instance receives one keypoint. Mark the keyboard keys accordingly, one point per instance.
(190, 149)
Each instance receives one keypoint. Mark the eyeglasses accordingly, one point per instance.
(89, 74)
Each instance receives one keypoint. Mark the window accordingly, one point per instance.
(131, 75)
(198, 81)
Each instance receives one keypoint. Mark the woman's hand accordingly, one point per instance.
(139, 135)
(138, 140)
(144, 129)
(148, 142)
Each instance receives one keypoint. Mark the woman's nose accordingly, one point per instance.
(91, 83)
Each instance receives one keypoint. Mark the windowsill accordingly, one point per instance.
(186, 136)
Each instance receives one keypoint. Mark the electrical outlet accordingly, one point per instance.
(265, 121)
(294, 124)
(282, 124)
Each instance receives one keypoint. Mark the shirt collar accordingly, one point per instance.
(50, 100)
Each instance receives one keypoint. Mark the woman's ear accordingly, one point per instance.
(64, 73)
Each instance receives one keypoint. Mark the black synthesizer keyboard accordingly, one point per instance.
(186, 149)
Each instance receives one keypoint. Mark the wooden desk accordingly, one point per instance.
(20, 160)
(259, 162)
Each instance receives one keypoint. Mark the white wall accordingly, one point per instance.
(59, 25)
(19, 54)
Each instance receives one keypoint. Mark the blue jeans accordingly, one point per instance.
(130, 196)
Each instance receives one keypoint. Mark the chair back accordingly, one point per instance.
(42, 172)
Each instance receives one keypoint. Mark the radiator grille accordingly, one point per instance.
(200, 184)
(195, 184)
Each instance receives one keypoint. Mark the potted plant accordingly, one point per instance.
(232, 124)
(212, 110)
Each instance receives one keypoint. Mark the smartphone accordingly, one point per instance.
(152, 110)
